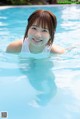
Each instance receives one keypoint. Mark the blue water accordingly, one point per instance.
(47, 88)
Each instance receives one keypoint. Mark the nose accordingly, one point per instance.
(38, 34)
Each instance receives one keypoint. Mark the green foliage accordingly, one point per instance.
(37, 2)
(68, 2)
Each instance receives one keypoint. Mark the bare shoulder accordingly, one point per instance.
(57, 49)
(14, 47)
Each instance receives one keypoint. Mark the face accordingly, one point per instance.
(38, 36)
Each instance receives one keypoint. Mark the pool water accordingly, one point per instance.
(40, 88)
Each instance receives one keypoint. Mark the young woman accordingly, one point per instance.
(39, 35)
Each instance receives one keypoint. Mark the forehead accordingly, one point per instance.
(40, 23)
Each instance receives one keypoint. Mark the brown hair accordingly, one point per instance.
(44, 18)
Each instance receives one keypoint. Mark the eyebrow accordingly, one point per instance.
(38, 26)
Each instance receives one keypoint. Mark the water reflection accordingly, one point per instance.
(71, 18)
(69, 30)
(71, 13)
(41, 78)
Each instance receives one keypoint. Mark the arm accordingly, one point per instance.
(14, 47)
(57, 49)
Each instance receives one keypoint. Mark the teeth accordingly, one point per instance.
(37, 40)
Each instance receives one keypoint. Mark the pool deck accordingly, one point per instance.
(9, 6)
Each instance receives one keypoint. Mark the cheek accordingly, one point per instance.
(46, 36)
(29, 32)
(46, 39)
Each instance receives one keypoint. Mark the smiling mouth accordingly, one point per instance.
(37, 41)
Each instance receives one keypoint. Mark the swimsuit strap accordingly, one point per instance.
(25, 45)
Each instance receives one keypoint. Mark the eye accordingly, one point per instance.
(34, 28)
(45, 30)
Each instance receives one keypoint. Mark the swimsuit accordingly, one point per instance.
(25, 47)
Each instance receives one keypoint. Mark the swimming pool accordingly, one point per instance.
(47, 88)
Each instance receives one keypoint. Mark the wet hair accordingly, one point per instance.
(44, 18)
